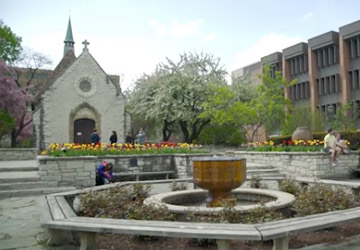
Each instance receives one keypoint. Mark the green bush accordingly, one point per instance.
(221, 135)
(124, 202)
(290, 186)
(262, 215)
(178, 186)
(279, 139)
(322, 198)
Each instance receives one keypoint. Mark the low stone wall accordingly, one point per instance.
(303, 164)
(145, 163)
(80, 171)
(9, 154)
(77, 171)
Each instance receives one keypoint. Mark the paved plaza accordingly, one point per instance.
(20, 226)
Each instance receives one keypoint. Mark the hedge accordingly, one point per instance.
(352, 136)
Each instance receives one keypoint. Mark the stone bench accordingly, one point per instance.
(60, 219)
(138, 174)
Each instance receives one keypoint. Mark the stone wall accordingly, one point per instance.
(180, 163)
(68, 171)
(81, 171)
(303, 164)
(144, 163)
(9, 154)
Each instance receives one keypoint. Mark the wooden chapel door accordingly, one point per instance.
(82, 130)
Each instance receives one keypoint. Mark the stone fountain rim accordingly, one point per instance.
(283, 199)
(217, 158)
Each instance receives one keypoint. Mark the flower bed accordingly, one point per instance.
(289, 146)
(73, 149)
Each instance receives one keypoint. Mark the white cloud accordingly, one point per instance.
(159, 27)
(268, 44)
(184, 30)
(208, 38)
(307, 16)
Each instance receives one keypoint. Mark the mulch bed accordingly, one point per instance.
(332, 236)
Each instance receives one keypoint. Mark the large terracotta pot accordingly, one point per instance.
(302, 133)
(219, 175)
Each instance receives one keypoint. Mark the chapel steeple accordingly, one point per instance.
(69, 40)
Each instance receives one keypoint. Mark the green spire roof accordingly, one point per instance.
(69, 35)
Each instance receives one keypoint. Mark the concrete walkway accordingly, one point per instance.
(20, 225)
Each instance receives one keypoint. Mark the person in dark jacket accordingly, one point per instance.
(129, 139)
(104, 173)
(113, 137)
(95, 138)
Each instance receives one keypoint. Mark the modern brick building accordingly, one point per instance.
(327, 69)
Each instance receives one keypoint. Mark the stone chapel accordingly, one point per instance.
(78, 97)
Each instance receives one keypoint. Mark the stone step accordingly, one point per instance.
(258, 167)
(20, 176)
(27, 185)
(13, 166)
(249, 176)
(33, 192)
(262, 171)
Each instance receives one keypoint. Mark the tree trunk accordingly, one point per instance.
(197, 130)
(13, 138)
(183, 126)
(166, 131)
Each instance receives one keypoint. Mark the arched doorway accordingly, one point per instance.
(82, 130)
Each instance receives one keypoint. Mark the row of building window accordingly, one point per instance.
(328, 85)
(354, 45)
(355, 79)
(327, 56)
(300, 91)
(329, 110)
(275, 67)
(298, 65)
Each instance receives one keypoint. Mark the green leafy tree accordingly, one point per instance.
(243, 88)
(267, 108)
(175, 92)
(343, 120)
(302, 116)
(10, 44)
(7, 123)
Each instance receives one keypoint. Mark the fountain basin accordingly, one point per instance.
(180, 202)
(219, 175)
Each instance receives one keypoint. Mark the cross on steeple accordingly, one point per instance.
(86, 43)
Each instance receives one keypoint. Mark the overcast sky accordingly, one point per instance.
(130, 37)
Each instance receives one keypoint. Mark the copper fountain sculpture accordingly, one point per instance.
(219, 175)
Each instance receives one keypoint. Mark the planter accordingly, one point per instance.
(302, 133)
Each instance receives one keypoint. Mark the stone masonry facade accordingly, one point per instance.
(303, 164)
(68, 171)
(81, 171)
(67, 100)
